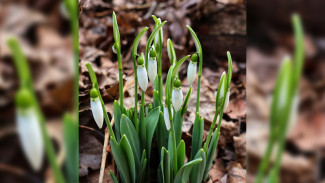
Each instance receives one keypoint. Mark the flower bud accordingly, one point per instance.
(166, 117)
(226, 101)
(191, 69)
(96, 107)
(177, 95)
(152, 66)
(29, 130)
(114, 48)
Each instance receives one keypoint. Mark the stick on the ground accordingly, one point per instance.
(104, 155)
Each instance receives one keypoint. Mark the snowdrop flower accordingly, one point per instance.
(152, 65)
(221, 94)
(29, 129)
(227, 100)
(142, 74)
(191, 69)
(166, 117)
(177, 95)
(96, 107)
(114, 48)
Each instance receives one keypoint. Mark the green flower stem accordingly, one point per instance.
(159, 68)
(143, 102)
(199, 51)
(265, 162)
(119, 58)
(174, 138)
(95, 84)
(26, 82)
(206, 144)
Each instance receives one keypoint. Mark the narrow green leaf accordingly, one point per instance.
(186, 101)
(136, 42)
(229, 75)
(171, 52)
(184, 172)
(210, 154)
(171, 150)
(197, 135)
(181, 154)
(121, 161)
(161, 132)
(299, 49)
(128, 129)
(169, 85)
(126, 147)
(142, 129)
(116, 32)
(165, 165)
(143, 165)
(114, 179)
(151, 124)
(117, 118)
(178, 65)
(178, 123)
(156, 101)
(197, 173)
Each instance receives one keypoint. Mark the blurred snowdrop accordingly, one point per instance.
(114, 48)
(96, 107)
(29, 129)
(191, 69)
(166, 117)
(142, 74)
(177, 95)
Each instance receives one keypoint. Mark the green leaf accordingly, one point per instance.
(184, 172)
(70, 129)
(171, 52)
(161, 132)
(114, 179)
(142, 133)
(151, 124)
(121, 161)
(222, 83)
(126, 147)
(197, 173)
(117, 118)
(186, 101)
(165, 165)
(210, 154)
(128, 129)
(181, 154)
(142, 171)
(197, 135)
(171, 149)
(178, 123)
(198, 48)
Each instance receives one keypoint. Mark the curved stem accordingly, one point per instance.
(265, 162)
(198, 93)
(206, 144)
(120, 69)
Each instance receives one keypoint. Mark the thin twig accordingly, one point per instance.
(104, 155)
(18, 172)
(91, 129)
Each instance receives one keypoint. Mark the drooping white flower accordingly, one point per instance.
(166, 117)
(191, 69)
(96, 108)
(177, 95)
(29, 130)
(152, 66)
(142, 74)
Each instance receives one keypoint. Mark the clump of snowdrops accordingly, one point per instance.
(132, 137)
(284, 107)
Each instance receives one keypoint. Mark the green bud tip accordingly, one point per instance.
(177, 83)
(194, 57)
(152, 53)
(23, 98)
(140, 61)
(93, 93)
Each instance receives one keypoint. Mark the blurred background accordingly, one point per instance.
(43, 30)
(220, 26)
(270, 38)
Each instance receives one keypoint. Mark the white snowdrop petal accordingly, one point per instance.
(97, 110)
(114, 50)
(30, 136)
(152, 69)
(166, 117)
(226, 101)
(142, 78)
(222, 89)
(191, 72)
(293, 112)
(177, 98)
